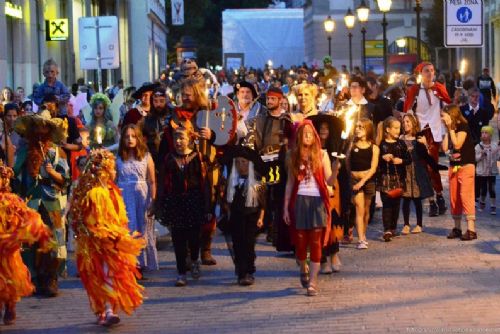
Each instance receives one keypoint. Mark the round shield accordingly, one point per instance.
(222, 121)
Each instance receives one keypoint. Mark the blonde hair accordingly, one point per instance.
(48, 63)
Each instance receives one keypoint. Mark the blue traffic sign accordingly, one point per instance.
(464, 14)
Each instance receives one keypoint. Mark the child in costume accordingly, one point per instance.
(246, 198)
(106, 253)
(18, 224)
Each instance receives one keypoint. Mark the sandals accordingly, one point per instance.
(304, 279)
(312, 291)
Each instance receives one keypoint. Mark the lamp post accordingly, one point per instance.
(418, 10)
(363, 12)
(329, 25)
(384, 6)
(349, 20)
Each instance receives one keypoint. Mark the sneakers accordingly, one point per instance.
(433, 209)
(493, 211)
(181, 281)
(362, 244)
(195, 270)
(111, 319)
(468, 235)
(405, 230)
(387, 236)
(417, 229)
(441, 204)
(246, 280)
(455, 233)
(482, 205)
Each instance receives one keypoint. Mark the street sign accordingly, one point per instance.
(56, 30)
(374, 48)
(463, 23)
(99, 48)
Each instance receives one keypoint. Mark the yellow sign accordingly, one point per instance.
(57, 30)
(13, 10)
(374, 48)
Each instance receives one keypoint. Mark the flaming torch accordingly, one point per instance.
(349, 122)
(98, 135)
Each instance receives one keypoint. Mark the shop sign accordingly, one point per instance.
(13, 10)
(56, 30)
(374, 48)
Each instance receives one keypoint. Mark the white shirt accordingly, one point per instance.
(430, 114)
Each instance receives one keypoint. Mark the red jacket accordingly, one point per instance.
(438, 89)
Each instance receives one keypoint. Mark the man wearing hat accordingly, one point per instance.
(134, 115)
(247, 106)
(155, 122)
(426, 100)
(44, 176)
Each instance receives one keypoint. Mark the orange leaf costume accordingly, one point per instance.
(106, 253)
(18, 224)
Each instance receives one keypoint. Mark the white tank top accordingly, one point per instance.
(309, 187)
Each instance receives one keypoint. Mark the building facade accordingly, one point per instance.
(401, 24)
(142, 39)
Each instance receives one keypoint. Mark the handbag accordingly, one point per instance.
(391, 184)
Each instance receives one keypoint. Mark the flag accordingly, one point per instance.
(177, 12)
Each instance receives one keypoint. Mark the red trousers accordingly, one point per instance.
(311, 239)
(462, 192)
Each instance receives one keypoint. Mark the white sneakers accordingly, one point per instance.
(362, 244)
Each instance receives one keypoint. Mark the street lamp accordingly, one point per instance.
(329, 25)
(384, 6)
(349, 20)
(401, 43)
(418, 9)
(363, 12)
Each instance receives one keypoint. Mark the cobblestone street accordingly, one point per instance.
(416, 283)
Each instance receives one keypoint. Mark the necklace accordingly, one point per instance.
(182, 159)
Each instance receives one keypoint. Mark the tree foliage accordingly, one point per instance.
(434, 25)
(203, 22)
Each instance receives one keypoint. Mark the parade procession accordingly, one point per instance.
(334, 171)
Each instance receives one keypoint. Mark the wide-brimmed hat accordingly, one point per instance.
(235, 151)
(25, 125)
(147, 87)
(247, 85)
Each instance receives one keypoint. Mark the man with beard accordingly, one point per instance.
(247, 106)
(383, 107)
(194, 99)
(155, 122)
(268, 129)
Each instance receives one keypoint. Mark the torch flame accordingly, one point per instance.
(349, 120)
(343, 81)
(98, 135)
(392, 78)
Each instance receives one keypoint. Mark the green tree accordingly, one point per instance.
(203, 22)
(434, 25)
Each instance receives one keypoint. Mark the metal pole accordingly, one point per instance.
(363, 32)
(384, 28)
(99, 74)
(330, 46)
(418, 9)
(350, 52)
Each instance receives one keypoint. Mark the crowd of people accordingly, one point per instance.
(301, 155)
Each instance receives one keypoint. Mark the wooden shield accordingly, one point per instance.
(222, 121)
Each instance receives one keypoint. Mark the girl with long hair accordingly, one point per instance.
(136, 178)
(461, 172)
(364, 161)
(307, 207)
(103, 132)
(418, 183)
(393, 158)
